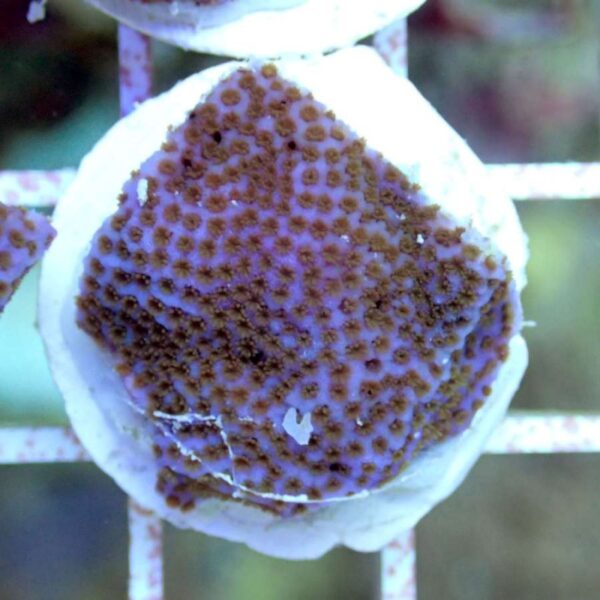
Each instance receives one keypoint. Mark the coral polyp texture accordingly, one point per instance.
(278, 328)
(266, 266)
(24, 237)
(265, 28)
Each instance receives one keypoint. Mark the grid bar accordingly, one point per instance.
(392, 44)
(521, 432)
(20, 445)
(398, 569)
(135, 68)
(546, 433)
(145, 554)
(548, 181)
(34, 189)
(145, 529)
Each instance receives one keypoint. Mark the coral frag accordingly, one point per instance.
(24, 237)
(265, 28)
(294, 317)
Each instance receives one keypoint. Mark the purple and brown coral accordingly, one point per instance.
(292, 325)
(24, 237)
(265, 264)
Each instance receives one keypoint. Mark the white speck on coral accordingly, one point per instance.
(300, 431)
(142, 191)
(36, 11)
(224, 477)
(420, 239)
(359, 422)
(185, 418)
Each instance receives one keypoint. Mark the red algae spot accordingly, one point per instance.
(294, 317)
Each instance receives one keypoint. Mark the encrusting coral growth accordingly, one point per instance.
(294, 317)
(24, 237)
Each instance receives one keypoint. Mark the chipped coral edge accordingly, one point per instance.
(95, 396)
(310, 27)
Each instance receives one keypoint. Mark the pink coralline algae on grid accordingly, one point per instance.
(398, 581)
(547, 433)
(145, 554)
(34, 188)
(22, 445)
(135, 66)
(391, 43)
(551, 181)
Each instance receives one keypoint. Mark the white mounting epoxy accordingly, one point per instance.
(300, 431)
(142, 191)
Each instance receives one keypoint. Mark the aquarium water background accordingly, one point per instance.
(519, 80)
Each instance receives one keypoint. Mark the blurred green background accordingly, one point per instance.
(520, 81)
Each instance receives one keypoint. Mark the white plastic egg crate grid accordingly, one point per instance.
(521, 432)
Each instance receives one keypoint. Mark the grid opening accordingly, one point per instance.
(564, 340)
(72, 545)
(536, 528)
(491, 69)
(223, 569)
